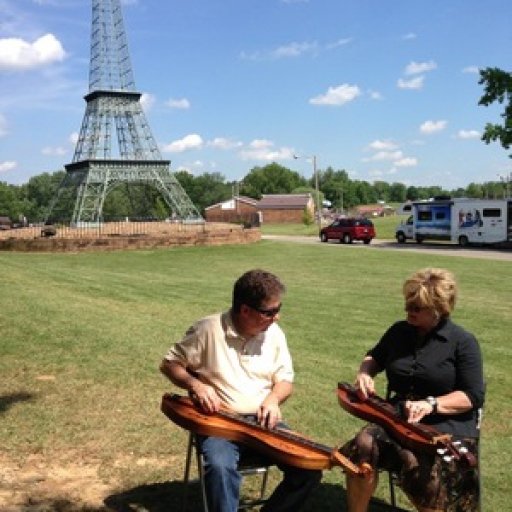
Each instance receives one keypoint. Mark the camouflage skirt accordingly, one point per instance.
(428, 480)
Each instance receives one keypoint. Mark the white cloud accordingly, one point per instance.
(471, 69)
(468, 134)
(409, 36)
(293, 50)
(415, 68)
(191, 141)
(7, 166)
(336, 96)
(3, 126)
(406, 162)
(375, 95)
(263, 150)
(223, 143)
(73, 138)
(429, 127)
(295, 1)
(385, 155)
(147, 101)
(388, 151)
(181, 103)
(17, 54)
(382, 145)
(413, 83)
(57, 151)
(338, 43)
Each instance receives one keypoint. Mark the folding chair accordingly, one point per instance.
(246, 467)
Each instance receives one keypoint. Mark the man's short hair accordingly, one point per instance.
(255, 287)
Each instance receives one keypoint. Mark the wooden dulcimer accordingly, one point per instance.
(415, 436)
(280, 444)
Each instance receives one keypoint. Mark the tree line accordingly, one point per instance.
(30, 201)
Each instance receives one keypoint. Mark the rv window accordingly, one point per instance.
(491, 212)
(440, 215)
(424, 216)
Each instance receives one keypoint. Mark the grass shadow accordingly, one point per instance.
(157, 497)
(7, 401)
(162, 497)
(166, 496)
(333, 498)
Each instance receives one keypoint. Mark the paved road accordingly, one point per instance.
(391, 245)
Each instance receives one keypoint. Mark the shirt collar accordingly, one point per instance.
(444, 329)
(230, 330)
(228, 326)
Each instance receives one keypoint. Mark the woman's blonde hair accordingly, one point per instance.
(433, 288)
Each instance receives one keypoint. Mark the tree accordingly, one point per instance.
(397, 192)
(271, 179)
(497, 87)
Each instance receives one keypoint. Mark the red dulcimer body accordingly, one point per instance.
(415, 436)
(282, 445)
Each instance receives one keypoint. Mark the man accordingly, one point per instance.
(239, 360)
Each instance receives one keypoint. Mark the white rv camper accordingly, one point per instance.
(463, 221)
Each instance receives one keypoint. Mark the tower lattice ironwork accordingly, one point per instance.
(115, 145)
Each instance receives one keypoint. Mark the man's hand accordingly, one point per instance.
(205, 397)
(269, 413)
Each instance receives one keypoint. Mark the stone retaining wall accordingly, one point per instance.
(141, 241)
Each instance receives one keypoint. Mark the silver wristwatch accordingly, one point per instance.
(432, 400)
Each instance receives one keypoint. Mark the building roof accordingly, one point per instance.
(284, 201)
(230, 203)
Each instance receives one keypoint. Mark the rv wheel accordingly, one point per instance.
(463, 241)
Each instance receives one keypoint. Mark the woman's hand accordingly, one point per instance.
(364, 379)
(415, 410)
(365, 385)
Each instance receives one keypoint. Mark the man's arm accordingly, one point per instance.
(204, 395)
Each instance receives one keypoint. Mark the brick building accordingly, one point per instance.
(237, 209)
(280, 208)
(271, 208)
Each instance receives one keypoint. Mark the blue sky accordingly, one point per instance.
(385, 89)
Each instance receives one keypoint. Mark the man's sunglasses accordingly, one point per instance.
(269, 313)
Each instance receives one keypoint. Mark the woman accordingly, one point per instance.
(434, 369)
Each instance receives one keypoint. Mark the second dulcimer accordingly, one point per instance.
(415, 436)
(282, 445)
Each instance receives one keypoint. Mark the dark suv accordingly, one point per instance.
(349, 229)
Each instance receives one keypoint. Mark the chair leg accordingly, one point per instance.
(186, 475)
(200, 469)
(264, 484)
(392, 496)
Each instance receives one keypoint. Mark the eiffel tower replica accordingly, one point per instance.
(113, 104)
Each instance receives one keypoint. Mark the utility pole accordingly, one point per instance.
(317, 188)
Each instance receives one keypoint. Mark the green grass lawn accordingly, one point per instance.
(83, 335)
